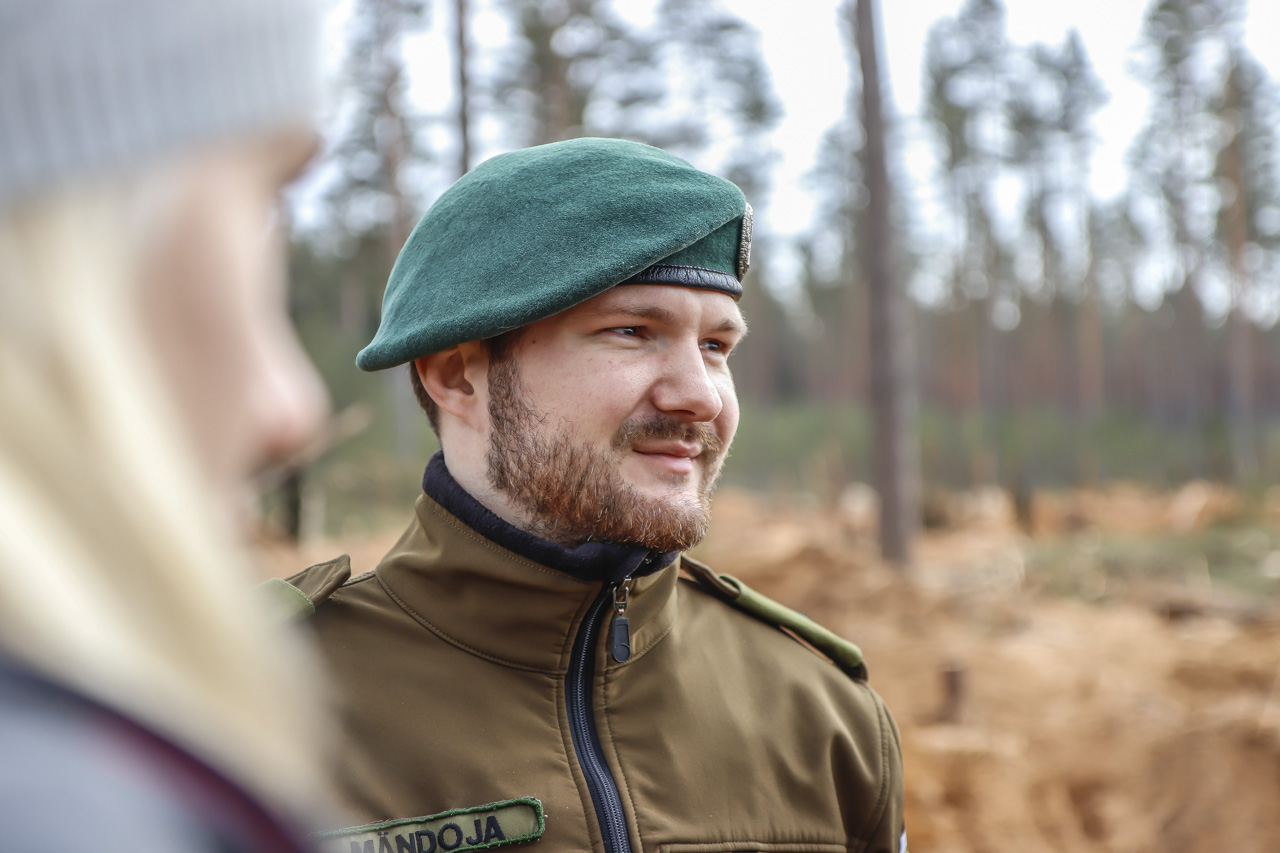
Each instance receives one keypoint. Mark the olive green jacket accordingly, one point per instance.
(456, 669)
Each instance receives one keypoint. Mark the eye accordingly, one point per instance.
(717, 346)
(626, 331)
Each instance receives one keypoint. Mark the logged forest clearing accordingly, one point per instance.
(1096, 670)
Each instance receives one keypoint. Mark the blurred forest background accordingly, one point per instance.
(1077, 397)
(1054, 339)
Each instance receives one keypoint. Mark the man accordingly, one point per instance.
(527, 664)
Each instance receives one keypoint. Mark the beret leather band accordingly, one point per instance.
(683, 276)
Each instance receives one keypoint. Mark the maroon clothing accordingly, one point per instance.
(76, 774)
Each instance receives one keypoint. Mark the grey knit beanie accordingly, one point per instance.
(91, 86)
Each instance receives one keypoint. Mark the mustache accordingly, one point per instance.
(660, 427)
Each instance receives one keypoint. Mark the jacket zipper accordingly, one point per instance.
(582, 726)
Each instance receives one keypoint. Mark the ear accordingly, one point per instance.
(457, 379)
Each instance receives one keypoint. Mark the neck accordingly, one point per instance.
(474, 481)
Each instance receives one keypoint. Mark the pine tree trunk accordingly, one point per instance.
(896, 471)
(393, 143)
(463, 82)
(1240, 369)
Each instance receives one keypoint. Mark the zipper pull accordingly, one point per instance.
(620, 631)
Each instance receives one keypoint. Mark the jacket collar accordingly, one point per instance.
(501, 605)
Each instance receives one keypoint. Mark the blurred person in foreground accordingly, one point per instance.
(528, 664)
(147, 367)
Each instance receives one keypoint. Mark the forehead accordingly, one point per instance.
(663, 303)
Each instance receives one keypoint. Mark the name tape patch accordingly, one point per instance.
(475, 828)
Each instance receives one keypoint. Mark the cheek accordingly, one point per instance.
(199, 287)
(588, 390)
(222, 335)
(613, 393)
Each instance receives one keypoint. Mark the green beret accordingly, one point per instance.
(533, 232)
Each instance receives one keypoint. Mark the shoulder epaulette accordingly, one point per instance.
(840, 651)
(296, 597)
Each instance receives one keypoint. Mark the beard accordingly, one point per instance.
(573, 492)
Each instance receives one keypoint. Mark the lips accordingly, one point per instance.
(661, 437)
(672, 458)
(678, 449)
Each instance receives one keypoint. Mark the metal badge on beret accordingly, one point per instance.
(744, 247)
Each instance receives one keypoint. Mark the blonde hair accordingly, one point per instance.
(117, 571)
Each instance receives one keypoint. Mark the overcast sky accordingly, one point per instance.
(802, 46)
(801, 42)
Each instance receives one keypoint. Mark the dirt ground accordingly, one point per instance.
(1142, 721)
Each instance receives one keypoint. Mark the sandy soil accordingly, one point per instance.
(1033, 723)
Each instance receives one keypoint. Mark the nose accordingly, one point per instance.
(686, 388)
(291, 402)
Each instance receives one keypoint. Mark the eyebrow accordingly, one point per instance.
(729, 324)
(659, 314)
